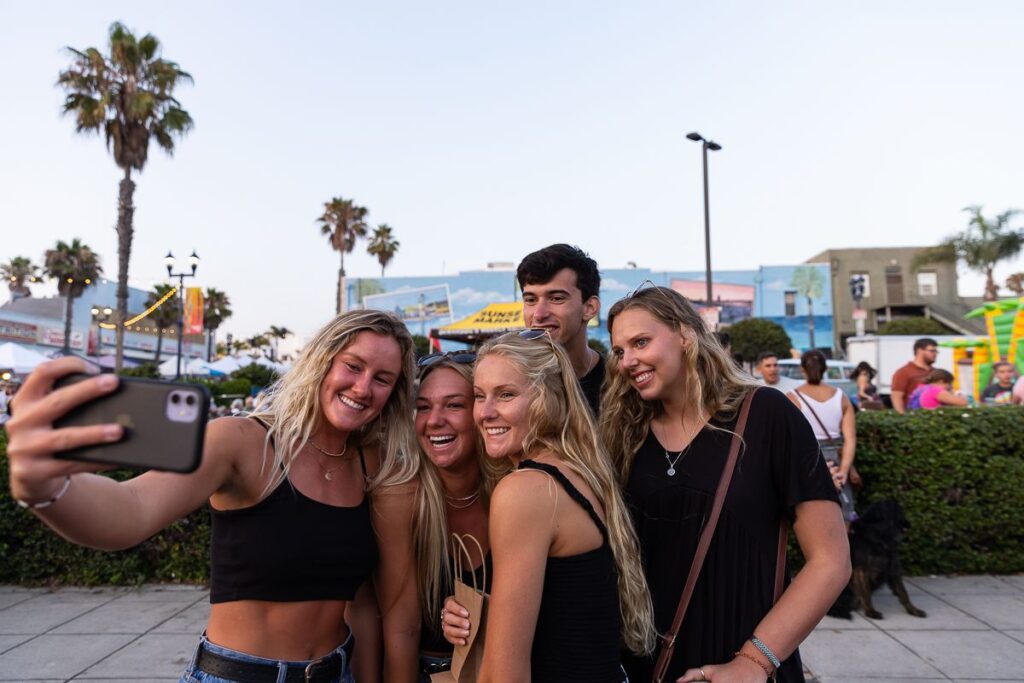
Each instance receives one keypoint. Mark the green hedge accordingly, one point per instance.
(959, 475)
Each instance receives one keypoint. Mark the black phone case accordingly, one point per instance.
(151, 439)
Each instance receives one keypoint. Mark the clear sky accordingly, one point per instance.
(483, 130)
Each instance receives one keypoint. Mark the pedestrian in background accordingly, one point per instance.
(913, 374)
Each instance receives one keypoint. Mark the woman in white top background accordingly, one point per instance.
(833, 419)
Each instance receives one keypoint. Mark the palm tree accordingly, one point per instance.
(981, 246)
(165, 316)
(256, 343)
(126, 94)
(809, 282)
(383, 245)
(18, 272)
(344, 223)
(216, 309)
(239, 345)
(276, 334)
(74, 266)
(1015, 283)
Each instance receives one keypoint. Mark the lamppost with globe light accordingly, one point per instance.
(193, 262)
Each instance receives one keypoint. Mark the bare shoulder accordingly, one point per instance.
(525, 492)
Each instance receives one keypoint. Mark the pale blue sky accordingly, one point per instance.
(481, 131)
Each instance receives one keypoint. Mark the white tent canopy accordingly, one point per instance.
(229, 364)
(189, 366)
(18, 359)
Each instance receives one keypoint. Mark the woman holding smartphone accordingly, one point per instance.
(668, 415)
(292, 537)
(567, 588)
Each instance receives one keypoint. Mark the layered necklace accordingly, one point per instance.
(673, 458)
(463, 502)
(329, 472)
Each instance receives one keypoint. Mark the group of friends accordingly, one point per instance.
(586, 480)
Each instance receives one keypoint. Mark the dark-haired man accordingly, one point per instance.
(768, 368)
(560, 285)
(907, 378)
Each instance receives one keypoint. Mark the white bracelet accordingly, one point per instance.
(47, 503)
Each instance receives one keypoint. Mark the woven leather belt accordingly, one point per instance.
(323, 670)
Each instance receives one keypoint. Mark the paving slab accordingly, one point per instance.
(151, 656)
(960, 585)
(76, 653)
(191, 620)
(857, 623)
(862, 653)
(1015, 581)
(884, 679)
(941, 614)
(9, 599)
(1002, 612)
(1016, 635)
(973, 655)
(127, 615)
(43, 612)
(7, 642)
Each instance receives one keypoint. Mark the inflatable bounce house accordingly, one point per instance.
(973, 358)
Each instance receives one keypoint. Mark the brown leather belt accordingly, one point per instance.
(323, 670)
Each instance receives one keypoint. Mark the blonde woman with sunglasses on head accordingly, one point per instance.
(668, 415)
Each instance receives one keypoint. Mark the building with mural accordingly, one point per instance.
(776, 293)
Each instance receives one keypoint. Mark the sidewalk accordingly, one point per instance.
(974, 631)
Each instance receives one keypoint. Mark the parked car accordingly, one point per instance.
(837, 373)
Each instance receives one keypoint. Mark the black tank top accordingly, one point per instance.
(578, 636)
(291, 548)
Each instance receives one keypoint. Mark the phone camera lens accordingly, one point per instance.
(175, 399)
(190, 400)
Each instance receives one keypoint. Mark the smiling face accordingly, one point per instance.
(649, 353)
(501, 404)
(444, 419)
(557, 306)
(360, 381)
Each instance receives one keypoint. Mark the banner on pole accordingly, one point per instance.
(193, 310)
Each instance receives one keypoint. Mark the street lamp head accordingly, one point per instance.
(193, 260)
(107, 311)
(713, 146)
(169, 262)
(696, 137)
(95, 311)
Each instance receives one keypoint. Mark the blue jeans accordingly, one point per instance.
(194, 675)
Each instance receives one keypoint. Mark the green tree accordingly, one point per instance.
(383, 245)
(257, 342)
(810, 283)
(343, 223)
(165, 316)
(1015, 283)
(74, 266)
(127, 94)
(983, 245)
(275, 335)
(216, 309)
(421, 345)
(752, 336)
(18, 272)
(916, 326)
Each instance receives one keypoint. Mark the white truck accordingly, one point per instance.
(888, 353)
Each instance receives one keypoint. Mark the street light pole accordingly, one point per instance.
(193, 261)
(714, 147)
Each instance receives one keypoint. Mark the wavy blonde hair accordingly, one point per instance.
(291, 406)
(560, 421)
(715, 386)
(430, 513)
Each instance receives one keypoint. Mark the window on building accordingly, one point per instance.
(867, 282)
(790, 304)
(927, 283)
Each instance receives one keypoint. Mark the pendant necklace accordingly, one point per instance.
(465, 500)
(328, 473)
(672, 459)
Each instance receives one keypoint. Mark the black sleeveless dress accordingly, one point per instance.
(578, 627)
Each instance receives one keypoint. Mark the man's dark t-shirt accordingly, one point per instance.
(997, 393)
(591, 383)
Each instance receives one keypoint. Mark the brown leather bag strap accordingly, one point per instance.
(780, 559)
(668, 641)
(803, 399)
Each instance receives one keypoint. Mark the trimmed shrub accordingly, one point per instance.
(920, 326)
(752, 336)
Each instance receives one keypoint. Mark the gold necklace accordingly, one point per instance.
(330, 455)
(466, 500)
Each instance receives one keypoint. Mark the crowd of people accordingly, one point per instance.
(626, 548)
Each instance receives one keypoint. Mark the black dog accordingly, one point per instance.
(874, 551)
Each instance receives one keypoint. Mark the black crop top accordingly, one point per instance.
(578, 636)
(291, 548)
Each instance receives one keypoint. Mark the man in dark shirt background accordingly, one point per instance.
(907, 378)
(560, 286)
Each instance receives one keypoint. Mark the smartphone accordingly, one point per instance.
(164, 424)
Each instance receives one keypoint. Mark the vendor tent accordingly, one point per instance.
(490, 321)
(228, 364)
(196, 367)
(18, 359)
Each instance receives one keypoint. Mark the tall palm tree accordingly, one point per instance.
(18, 272)
(163, 317)
(257, 342)
(344, 223)
(74, 266)
(383, 245)
(126, 94)
(810, 283)
(983, 245)
(275, 334)
(216, 309)
(239, 345)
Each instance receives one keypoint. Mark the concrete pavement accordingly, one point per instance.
(974, 631)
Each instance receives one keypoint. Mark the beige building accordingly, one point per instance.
(894, 289)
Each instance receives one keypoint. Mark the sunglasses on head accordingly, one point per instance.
(463, 357)
(533, 333)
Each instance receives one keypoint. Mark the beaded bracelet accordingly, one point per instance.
(767, 672)
(47, 503)
(766, 651)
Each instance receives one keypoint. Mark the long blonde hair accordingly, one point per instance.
(560, 421)
(430, 513)
(714, 385)
(292, 407)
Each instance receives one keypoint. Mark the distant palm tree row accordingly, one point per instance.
(344, 224)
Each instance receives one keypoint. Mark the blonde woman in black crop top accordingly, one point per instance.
(292, 536)
(567, 590)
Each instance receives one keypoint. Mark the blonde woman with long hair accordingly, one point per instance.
(668, 415)
(292, 536)
(567, 589)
